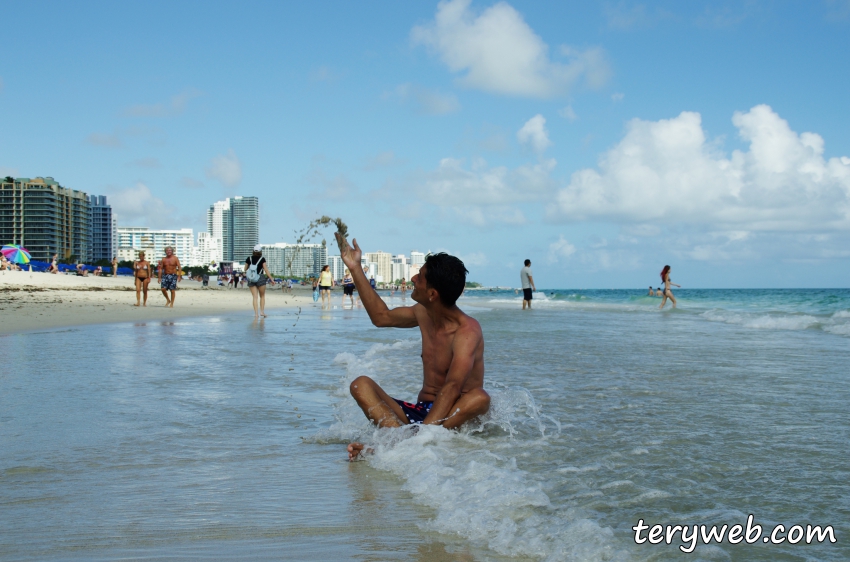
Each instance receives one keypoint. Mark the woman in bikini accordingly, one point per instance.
(142, 272)
(668, 294)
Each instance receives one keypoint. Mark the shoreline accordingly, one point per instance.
(34, 301)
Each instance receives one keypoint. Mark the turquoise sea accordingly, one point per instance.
(224, 438)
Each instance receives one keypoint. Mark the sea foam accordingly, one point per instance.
(471, 479)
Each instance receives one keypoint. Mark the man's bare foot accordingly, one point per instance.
(137, 304)
(263, 314)
(167, 304)
(357, 450)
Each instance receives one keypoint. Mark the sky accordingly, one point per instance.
(601, 140)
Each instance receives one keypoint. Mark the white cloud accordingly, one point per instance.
(560, 249)
(498, 52)
(475, 259)
(175, 106)
(191, 183)
(226, 168)
(381, 160)
(534, 133)
(568, 113)
(428, 101)
(137, 206)
(104, 139)
(478, 194)
(337, 187)
(325, 74)
(665, 172)
(617, 97)
(145, 163)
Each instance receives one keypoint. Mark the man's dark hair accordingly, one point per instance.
(527, 262)
(447, 275)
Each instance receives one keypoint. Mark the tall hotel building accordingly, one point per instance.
(45, 218)
(102, 243)
(236, 221)
(385, 265)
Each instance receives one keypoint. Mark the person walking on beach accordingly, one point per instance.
(452, 348)
(326, 281)
(257, 273)
(348, 287)
(668, 294)
(528, 286)
(168, 274)
(115, 266)
(142, 274)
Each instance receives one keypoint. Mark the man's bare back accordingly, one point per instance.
(452, 348)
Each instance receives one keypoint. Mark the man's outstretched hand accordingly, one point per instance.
(350, 256)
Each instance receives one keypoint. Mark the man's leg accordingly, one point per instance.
(165, 294)
(378, 406)
(469, 406)
(173, 294)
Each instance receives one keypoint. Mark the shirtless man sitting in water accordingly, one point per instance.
(452, 348)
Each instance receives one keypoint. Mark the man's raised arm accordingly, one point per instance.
(379, 313)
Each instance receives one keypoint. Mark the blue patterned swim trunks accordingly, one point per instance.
(169, 281)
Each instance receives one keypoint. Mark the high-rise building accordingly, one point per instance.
(400, 268)
(45, 218)
(290, 260)
(337, 267)
(207, 251)
(385, 264)
(236, 220)
(103, 229)
(417, 258)
(133, 239)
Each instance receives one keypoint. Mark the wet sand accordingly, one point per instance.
(33, 301)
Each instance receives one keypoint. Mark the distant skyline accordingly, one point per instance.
(601, 140)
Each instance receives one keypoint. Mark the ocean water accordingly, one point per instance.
(221, 437)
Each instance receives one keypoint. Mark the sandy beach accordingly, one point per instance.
(32, 301)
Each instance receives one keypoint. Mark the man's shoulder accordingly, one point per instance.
(469, 326)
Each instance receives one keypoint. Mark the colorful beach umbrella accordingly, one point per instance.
(16, 254)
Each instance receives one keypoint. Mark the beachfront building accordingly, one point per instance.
(103, 229)
(400, 268)
(417, 258)
(207, 251)
(236, 221)
(370, 269)
(384, 261)
(133, 239)
(337, 267)
(45, 218)
(291, 260)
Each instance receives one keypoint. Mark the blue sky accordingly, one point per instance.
(600, 140)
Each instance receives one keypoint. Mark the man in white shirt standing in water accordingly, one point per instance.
(527, 284)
